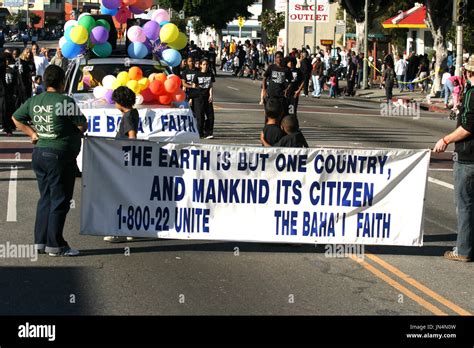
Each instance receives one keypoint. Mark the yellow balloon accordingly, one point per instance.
(169, 33)
(123, 78)
(179, 43)
(116, 85)
(144, 83)
(134, 86)
(79, 35)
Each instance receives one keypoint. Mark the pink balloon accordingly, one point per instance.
(161, 16)
(136, 34)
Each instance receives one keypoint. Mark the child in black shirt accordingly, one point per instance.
(272, 132)
(203, 107)
(124, 99)
(294, 137)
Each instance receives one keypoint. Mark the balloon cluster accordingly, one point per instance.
(158, 36)
(152, 89)
(124, 9)
(85, 33)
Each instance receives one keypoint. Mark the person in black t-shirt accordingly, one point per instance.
(296, 86)
(272, 132)
(203, 106)
(279, 78)
(293, 137)
(187, 77)
(124, 99)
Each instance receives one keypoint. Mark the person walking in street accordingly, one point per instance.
(124, 99)
(463, 137)
(26, 71)
(388, 80)
(254, 61)
(57, 134)
(279, 78)
(203, 104)
(296, 86)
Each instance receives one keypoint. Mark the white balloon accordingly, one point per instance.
(99, 92)
(62, 41)
(83, 15)
(139, 99)
(70, 23)
(108, 81)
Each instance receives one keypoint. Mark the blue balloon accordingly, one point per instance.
(162, 24)
(137, 50)
(172, 57)
(70, 50)
(107, 11)
(67, 33)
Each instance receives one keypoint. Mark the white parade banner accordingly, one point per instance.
(253, 194)
(159, 124)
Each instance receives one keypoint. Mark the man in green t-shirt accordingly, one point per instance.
(55, 124)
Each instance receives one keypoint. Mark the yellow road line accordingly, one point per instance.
(422, 302)
(418, 285)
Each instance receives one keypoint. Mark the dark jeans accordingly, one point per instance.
(55, 172)
(389, 91)
(306, 83)
(204, 112)
(464, 194)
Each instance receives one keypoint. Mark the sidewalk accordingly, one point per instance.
(377, 94)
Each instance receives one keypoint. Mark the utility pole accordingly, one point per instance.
(315, 25)
(345, 30)
(366, 44)
(27, 15)
(460, 13)
(287, 27)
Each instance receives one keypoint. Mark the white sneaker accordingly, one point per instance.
(129, 239)
(66, 253)
(210, 137)
(115, 239)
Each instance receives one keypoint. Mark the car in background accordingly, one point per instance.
(83, 74)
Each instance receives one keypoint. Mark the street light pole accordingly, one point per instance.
(287, 27)
(315, 24)
(366, 44)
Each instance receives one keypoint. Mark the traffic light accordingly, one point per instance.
(460, 11)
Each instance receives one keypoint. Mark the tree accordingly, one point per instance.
(14, 19)
(34, 19)
(211, 13)
(355, 8)
(272, 23)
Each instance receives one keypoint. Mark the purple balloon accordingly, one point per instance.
(152, 30)
(111, 4)
(136, 10)
(99, 35)
(108, 96)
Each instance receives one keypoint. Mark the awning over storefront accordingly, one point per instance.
(414, 18)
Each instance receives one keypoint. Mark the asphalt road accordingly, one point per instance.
(192, 277)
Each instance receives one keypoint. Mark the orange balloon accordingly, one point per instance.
(161, 77)
(171, 86)
(135, 73)
(179, 96)
(175, 78)
(129, 2)
(156, 87)
(144, 4)
(165, 99)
